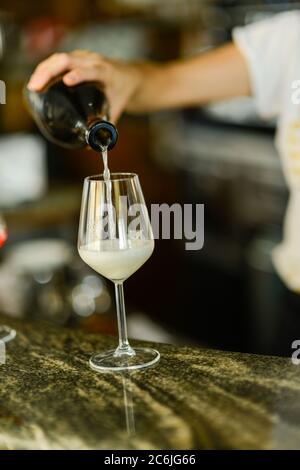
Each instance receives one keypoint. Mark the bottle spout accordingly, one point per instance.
(102, 135)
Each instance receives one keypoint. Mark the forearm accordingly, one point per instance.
(213, 76)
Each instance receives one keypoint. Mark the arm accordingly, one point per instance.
(146, 87)
(213, 76)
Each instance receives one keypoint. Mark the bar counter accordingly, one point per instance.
(192, 399)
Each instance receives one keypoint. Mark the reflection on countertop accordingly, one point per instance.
(193, 399)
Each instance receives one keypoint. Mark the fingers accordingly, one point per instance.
(79, 75)
(58, 64)
(84, 66)
(48, 69)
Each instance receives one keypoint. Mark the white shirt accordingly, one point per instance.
(272, 51)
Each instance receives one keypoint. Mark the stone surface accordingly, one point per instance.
(193, 399)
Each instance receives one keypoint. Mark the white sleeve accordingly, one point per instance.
(269, 47)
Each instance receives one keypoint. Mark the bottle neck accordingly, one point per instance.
(102, 135)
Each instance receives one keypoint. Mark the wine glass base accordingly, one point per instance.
(108, 361)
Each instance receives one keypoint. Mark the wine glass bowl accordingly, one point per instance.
(115, 239)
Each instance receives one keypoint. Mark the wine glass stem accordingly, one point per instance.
(124, 347)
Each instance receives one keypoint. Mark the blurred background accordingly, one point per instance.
(223, 156)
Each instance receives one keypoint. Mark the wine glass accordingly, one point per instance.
(6, 333)
(115, 239)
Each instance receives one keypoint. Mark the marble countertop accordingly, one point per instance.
(193, 399)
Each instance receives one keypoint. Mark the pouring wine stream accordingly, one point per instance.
(124, 347)
(122, 231)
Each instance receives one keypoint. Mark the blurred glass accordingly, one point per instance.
(6, 333)
(3, 231)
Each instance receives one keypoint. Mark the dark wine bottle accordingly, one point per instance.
(73, 117)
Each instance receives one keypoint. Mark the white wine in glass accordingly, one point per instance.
(115, 239)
